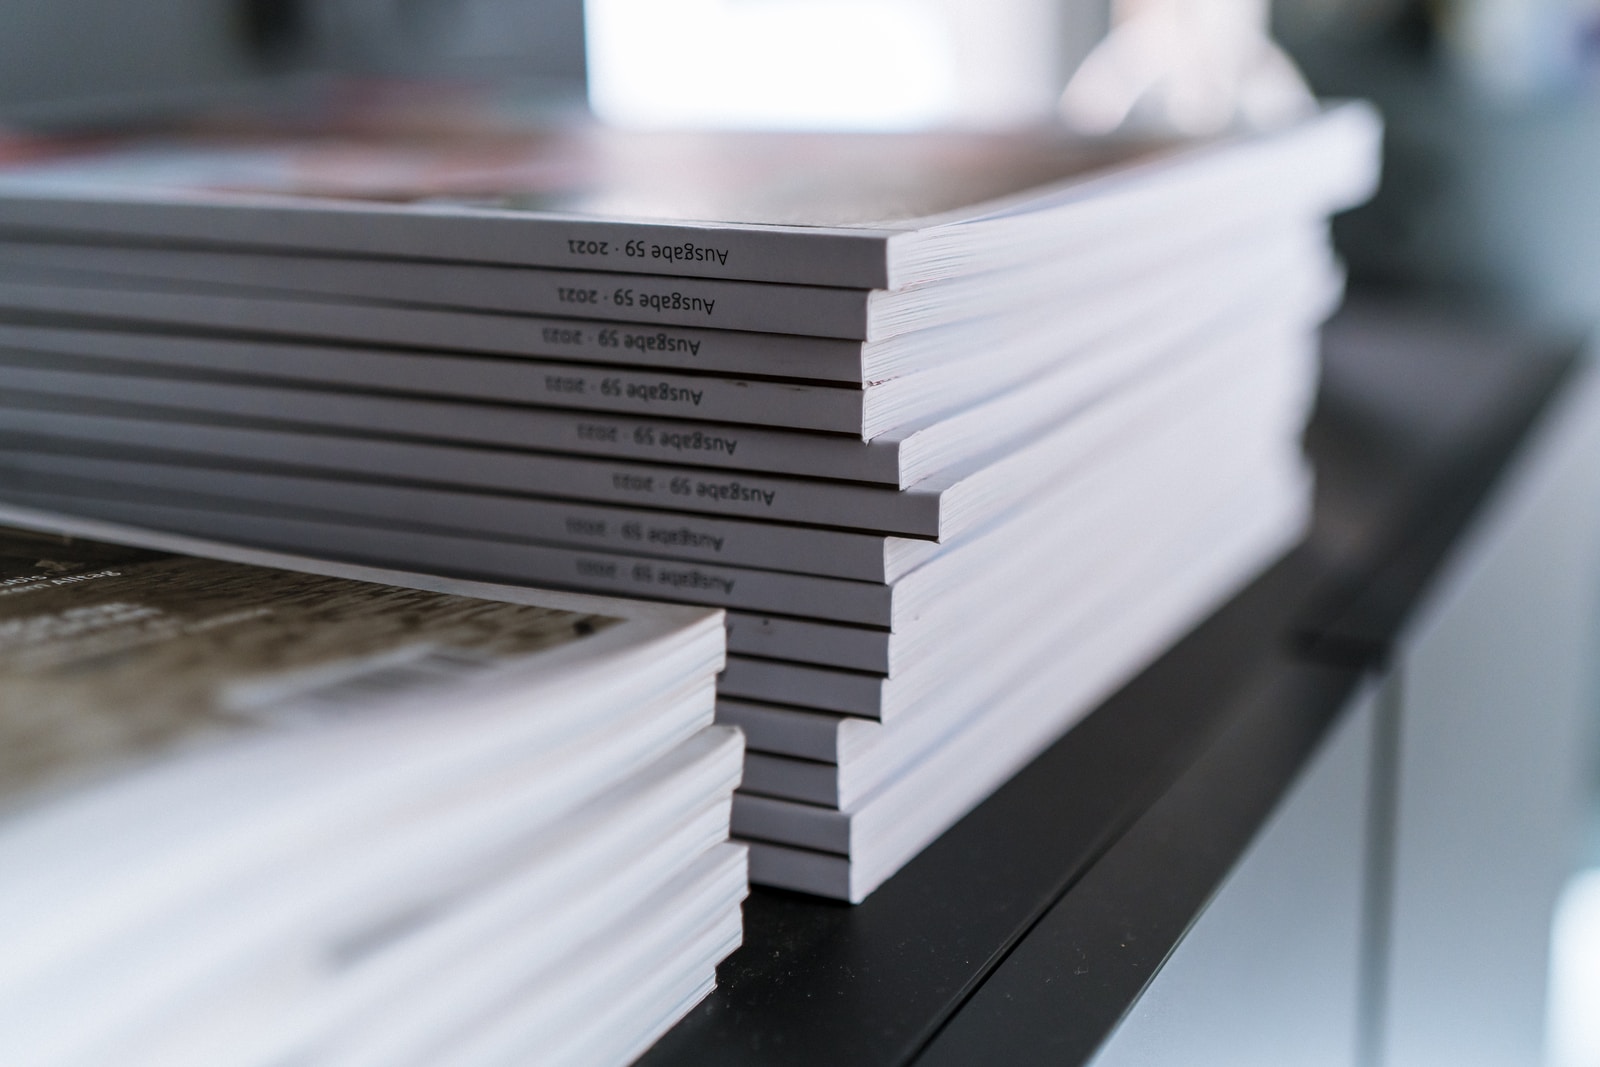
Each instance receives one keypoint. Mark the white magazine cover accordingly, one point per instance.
(847, 210)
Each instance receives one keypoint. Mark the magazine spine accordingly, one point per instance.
(840, 505)
(439, 331)
(789, 255)
(824, 311)
(576, 406)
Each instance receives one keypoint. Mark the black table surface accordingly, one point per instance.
(1028, 930)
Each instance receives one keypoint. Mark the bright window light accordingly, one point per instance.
(773, 64)
(1575, 975)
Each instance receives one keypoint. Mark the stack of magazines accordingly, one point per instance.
(261, 810)
(960, 429)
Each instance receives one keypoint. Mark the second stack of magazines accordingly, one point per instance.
(263, 810)
(961, 430)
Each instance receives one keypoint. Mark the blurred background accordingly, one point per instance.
(1493, 105)
(1491, 195)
